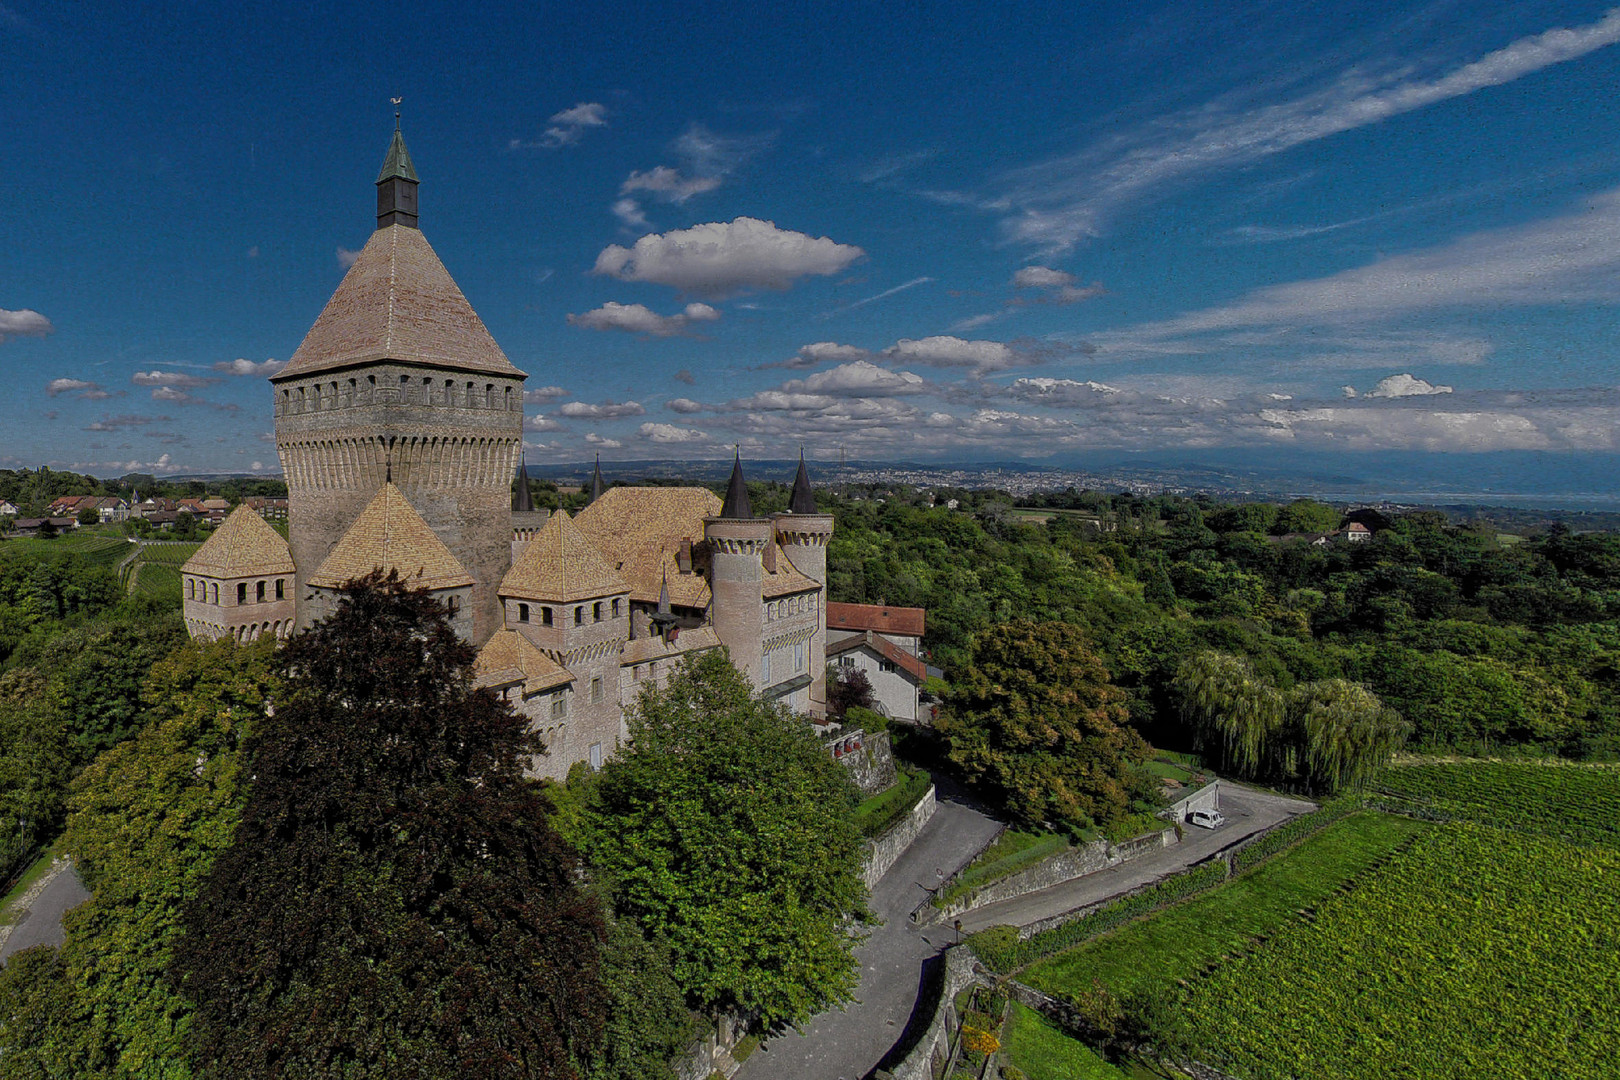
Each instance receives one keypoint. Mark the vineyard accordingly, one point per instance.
(157, 580)
(1580, 803)
(1474, 953)
(97, 548)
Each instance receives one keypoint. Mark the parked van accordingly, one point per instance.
(1207, 819)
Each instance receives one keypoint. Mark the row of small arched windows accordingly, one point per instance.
(597, 612)
(208, 591)
(793, 605)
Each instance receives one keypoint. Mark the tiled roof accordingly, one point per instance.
(644, 649)
(640, 529)
(510, 657)
(560, 563)
(911, 665)
(390, 535)
(398, 302)
(243, 546)
(786, 579)
(907, 621)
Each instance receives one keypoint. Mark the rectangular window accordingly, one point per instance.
(559, 707)
(261, 592)
(241, 592)
(615, 607)
(523, 613)
(596, 611)
(596, 755)
(281, 593)
(579, 616)
(596, 690)
(765, 669)
(545, 616)
(798, 657)
(885, 665)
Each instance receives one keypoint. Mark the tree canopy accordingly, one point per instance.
(724, 830)
(395, 903)
(1033, 719)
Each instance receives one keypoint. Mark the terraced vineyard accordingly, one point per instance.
(92, 547)
(168, 554)
(1475, 953)
(1580, 803)
(156, 579)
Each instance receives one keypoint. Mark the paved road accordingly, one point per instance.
(1247, 812)
(42, 923)
(845, 1045)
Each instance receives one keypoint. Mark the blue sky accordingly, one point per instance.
(911, 232)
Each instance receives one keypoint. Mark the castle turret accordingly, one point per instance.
(738, 544)
(400, 376)
(240, 582)
(597, 486)
(803, 533)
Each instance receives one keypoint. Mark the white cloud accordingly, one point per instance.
(78, 388)
(171, 379)
(1059, 392)
(639, 319)
(946, 351)
(707, 153)
(248, 367)
(859, 379)
(628, 211)
(567, 127)
(1063, 201)
(1041, 277)
(684, 405)
(720, 258)
(124, 420)
(540, 422)
(24, 323)
(540, 395)
(669, 433)
(822, 352)
(607, 410)
(1396, 386)
(668, 184)
(603, 443)
(973, 322)
(345, 257)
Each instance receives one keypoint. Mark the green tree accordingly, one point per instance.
(1235, 712)
(647, 1021)
(148, 819)
(1344, 732)
(395, 903)
(1034, 719)
(725, 830)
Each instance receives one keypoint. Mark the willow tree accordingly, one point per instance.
(1344, 732)
(1233, 710)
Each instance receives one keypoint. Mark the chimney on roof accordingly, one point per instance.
(396, 185)
(736, 504)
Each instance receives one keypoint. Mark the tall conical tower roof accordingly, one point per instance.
(803, 500)
(597, 487)
(523, 500)
(736, 504)
(390, 535)
(397, 165)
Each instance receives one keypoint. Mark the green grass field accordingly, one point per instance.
(1181, 940)
(156, 579)
(1045, 1053)
(93, 547)
(168, 554)
(1579, 803)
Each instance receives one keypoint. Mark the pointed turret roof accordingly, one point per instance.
(596, 480)
(803, 500)
(398, 162)
(398, 302)
(390, 535)
(561, 564)
(736, 504)
(663, 595)
(243, 546)
(509, 657)
(523, 500)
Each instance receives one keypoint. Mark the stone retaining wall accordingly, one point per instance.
(1053, 870)
(933, 1050)
(884, 850)
(868, 756)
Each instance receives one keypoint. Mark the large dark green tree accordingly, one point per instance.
(725, 831)
(1034, 720)
(396, 903)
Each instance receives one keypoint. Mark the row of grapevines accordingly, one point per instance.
(1580, 803)
(168, 554)
(1475, 953)
(1292, 832)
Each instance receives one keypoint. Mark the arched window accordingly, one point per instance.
(523, 613)
(615, 607)
(260, 598)
(241, 592)
(579, 615)
(214, 590)
(191, 588)
(596, 611)
(281, 593)
(545, 616)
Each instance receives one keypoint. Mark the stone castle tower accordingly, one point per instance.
(803, 532)
(399, 380)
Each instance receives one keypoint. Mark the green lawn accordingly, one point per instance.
(1045, 1053)
(1178, 942)
(1011, 853)
(884, 809)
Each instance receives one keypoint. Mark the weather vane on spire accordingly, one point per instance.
(395, 102)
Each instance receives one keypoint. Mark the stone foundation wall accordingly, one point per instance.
(932, 1050)
(869, 759)
(1054, 870)
(884, 851)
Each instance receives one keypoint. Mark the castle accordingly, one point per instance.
(399, 423)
